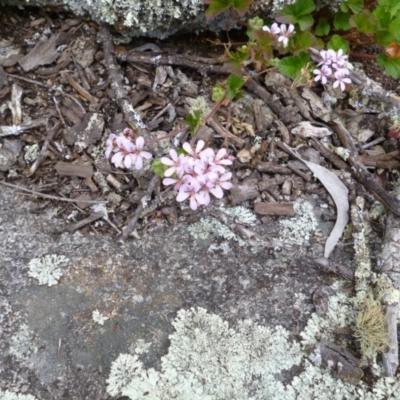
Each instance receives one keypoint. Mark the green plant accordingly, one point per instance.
(355, 22)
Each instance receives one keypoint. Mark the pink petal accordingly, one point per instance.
(217, 192)
(174, 155)
(146, 154)
(169, 181)
(200, 145)
(140, 142)
(109, 150)
(226, 185)
(226, 176)
(167, 161)
(139, 162)
(169, 171)
(117, 159)
(193, 203)
(186, 146)
(129, 159)
(183, 194)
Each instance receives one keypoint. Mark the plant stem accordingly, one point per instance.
(361, 55)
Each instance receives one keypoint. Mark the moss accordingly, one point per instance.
(370, 328)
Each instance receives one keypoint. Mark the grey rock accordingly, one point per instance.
(152, 18)
(139, 284)
(9, 153)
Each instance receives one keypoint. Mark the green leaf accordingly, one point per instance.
(394, 28)
(292, 66)
(305, 22)
(323, 27)
(233, 85)
(303, 41)
(356, 5)
(391, 6)
(193, 120)
(159, 168)
(384, 38)
(241, 6)
(256, 23)
(337, 42)
(365, 22)
(391, 65)
(298, 13)
(383, 17)
(217, 7)
(218, 93)
(341, 21)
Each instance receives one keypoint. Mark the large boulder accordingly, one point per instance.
(152, 18)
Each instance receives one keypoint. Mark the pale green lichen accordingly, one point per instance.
(7, 395)
(47, 269)
(144, 15)
(298, 230)
(31, 152)
(99, 317)
(207, 227)
(340, 313)
(22, 343)
(207, 360)
(242, 215)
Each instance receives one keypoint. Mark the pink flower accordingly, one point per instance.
(339, 59)
(322, 74)
(285, 33)
(274, 29)
(110, 143)
(178, 182)
(194, 154)
(221, 183)
(139, 154)
(126, 148)
(192, 192)
(327, 56)
(222, 158)
(341, 80)
(176, 163)
(129, 153)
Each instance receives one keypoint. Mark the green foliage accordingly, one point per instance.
(341, 21)
(353, 5)
(233, 86)
(303, 41)
(337, 42)
(323, 27)
(193, 120)
(217, 7)
(391, 6)
(391, 65)
(159, 168)
(256, 23)
(218, 93)
(365, 22)
(292, 66)
(298, 13)
(229, 90)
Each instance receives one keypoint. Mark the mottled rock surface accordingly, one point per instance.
(51, 343)
(154, 18)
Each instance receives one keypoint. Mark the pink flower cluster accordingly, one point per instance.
(125, 151)
(198, 173)
(332, 65)
(282, 33)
